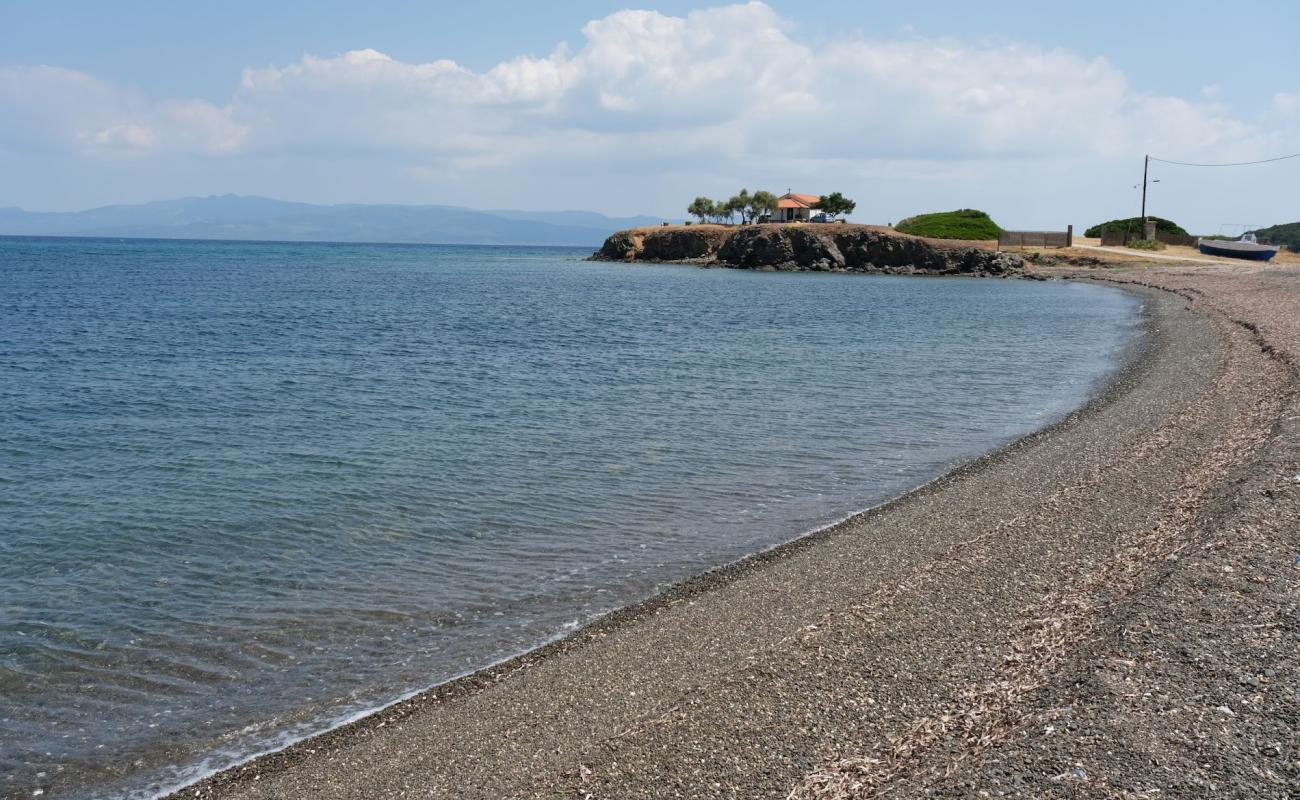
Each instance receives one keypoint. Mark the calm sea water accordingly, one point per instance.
(247, 490)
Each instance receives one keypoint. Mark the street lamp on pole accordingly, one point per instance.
(1146, 167)
(1146, 163)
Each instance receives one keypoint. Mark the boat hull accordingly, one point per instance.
(1246, 250)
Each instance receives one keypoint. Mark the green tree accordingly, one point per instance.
(1134, 226)
(762, 202)
(739, 204)
(727, 211)
(702, 207)
(835, 204)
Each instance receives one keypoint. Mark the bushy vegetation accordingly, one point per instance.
(1287, 234)
(1146, 244)
(1134, 227)
(752, 207)
(749, 206)
(966, 223)
(834, 204)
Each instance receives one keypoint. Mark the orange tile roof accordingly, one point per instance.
(793, 200)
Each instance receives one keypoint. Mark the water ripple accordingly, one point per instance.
(248, 489)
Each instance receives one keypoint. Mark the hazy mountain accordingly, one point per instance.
(261, 218)
(580, 219)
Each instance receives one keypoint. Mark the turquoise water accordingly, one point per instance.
(247, 490)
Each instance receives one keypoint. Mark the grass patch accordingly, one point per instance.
(966, 223)
(1147, 244)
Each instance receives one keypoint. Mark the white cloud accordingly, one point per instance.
(730, 85)
(124, 136)
(729, 81)
(52, 109)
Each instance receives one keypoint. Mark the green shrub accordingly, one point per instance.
(1288, 234)
(1134, 227)
(1147, 244)
(966, 223)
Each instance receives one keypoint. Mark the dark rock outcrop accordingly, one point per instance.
(876, 251)
(811, 248)
(814, 251)
(622, 246)
(681, 244)
(778, 248)
(759, 247)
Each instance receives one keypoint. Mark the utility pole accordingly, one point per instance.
(1146, 162)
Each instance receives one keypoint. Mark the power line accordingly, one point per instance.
(1146, 166)
(1232, 164)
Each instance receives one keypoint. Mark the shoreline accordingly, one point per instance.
(313, 765)
(1136, 350)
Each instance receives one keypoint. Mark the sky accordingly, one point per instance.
(1039, 113)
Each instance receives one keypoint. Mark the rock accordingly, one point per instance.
(814, 252)
(680, 244)
(621, 246)
(876, 251)
(686, 244)
(758, 246)
(808, 247)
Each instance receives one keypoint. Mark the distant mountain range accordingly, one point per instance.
(263, 219)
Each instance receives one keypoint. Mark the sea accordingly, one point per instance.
(249, 491)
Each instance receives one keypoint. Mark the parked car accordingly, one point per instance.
(823, 217)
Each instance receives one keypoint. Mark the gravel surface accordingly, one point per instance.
(1107, 608)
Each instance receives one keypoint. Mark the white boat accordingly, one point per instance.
(1246, 247)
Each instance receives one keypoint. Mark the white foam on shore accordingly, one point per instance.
(189, 776)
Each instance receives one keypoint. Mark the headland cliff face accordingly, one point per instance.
(808, 247)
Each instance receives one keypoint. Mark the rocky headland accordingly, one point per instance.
(815, 248)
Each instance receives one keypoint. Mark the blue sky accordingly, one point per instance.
(1038, 112)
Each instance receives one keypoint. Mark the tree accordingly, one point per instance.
(1133, 225)
(760, 203)
(702, 207)
(739, 204)
(731, 208)
(835, 204)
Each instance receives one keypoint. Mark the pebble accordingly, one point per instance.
(1226, 711)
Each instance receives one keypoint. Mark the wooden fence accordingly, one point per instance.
(1063, 238)
(1179, 239)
